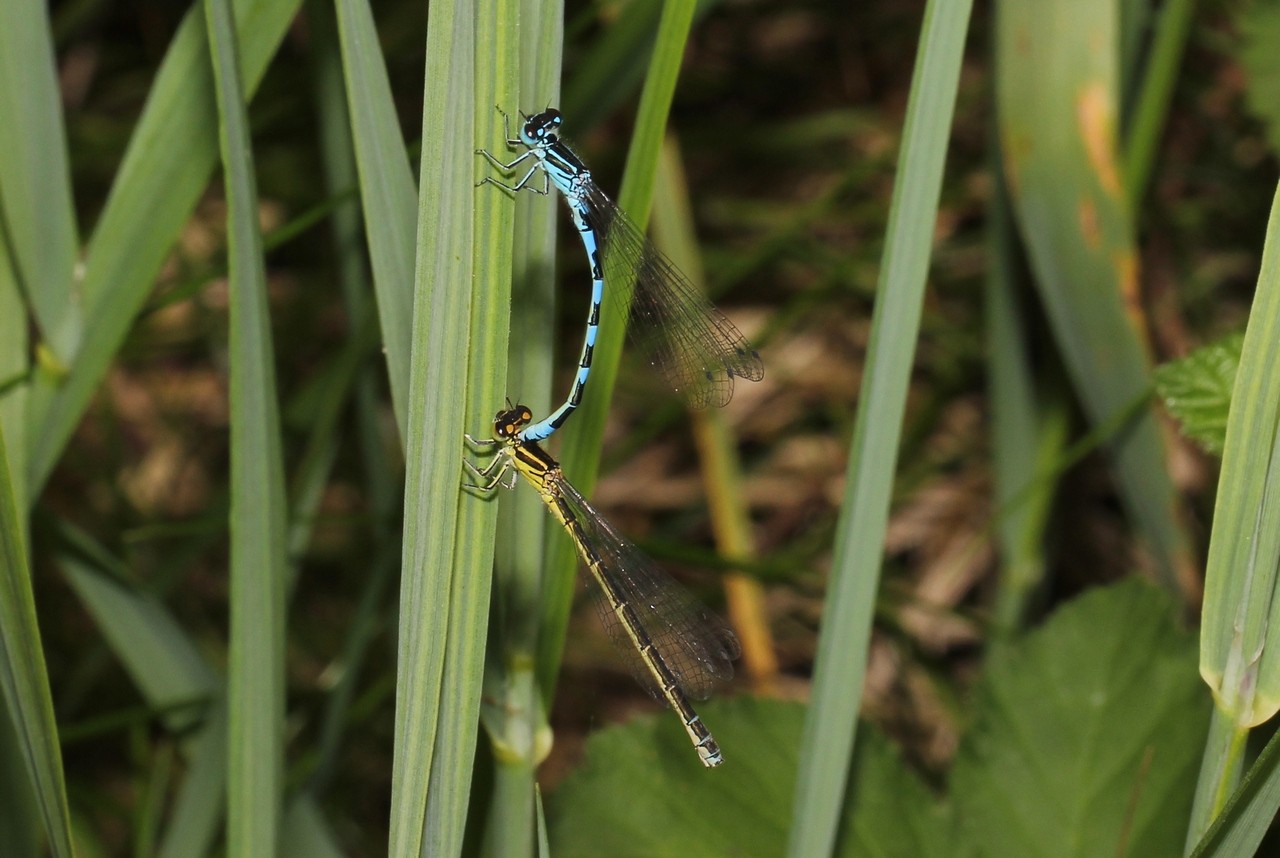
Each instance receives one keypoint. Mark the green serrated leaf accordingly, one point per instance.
(1088, 735)
(1197, 390)
(641, 792)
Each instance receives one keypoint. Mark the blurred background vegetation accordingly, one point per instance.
(788, 117)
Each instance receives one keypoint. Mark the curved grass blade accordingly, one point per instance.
(36, 208)
(830, 726)
(24, 678)
(255, 676)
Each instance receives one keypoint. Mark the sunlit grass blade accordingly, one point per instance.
(514, 712)
(495, 27)
(438, 595)
(844, 640)
(1058, 93)
(165, 169)
(23, 676)
(1238, 659)
(255, 676)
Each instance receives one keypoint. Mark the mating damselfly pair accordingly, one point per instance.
(677, 649)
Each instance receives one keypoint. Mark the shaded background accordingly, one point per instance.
(788, 117)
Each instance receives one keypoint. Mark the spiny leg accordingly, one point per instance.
(483, 489)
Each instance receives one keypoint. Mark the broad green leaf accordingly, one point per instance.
(642, 792)
(36, 213)
(255, 675)
(1057, 89)
(844, 641)
(24, 679)
(1197, 390)
(1087, 734)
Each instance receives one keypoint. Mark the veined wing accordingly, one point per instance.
(696, 645)
(679, 331)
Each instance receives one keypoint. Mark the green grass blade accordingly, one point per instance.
(255, 686)
(1237, 658)
(581, 453)
(496, 25)
(13, 367)
(161, 659)
(23, 677)
(19, 816)
(514, 714)
(387, 191)
(830, 726)
(198, 808)
(307, 832)
(167, 668)
(35, 181)
(1249, 815)
(1057, 92)
(165, 170)
(1159, 77)
(1016, 430)
(431, 611)
(608, 73)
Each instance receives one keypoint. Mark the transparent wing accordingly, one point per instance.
(677, 329)
(696, 645)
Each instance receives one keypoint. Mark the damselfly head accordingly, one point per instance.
(508, 422)
(540, 129)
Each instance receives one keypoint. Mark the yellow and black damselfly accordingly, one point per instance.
(676, 648)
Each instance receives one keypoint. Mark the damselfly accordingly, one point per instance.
(676, 648)
(688, 340)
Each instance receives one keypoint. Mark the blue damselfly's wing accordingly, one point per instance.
(695, 347)
(695, 644)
